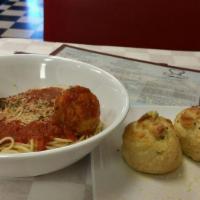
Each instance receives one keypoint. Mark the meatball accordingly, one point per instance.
(78, 109)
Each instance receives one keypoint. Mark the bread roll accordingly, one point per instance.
(150, 145)
(187, 124)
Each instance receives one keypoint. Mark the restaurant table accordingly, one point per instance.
(188, 59)
(76, 182)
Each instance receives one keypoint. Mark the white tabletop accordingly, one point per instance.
(188, 59)
(75, 181)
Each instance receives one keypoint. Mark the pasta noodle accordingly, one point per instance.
(8, 145)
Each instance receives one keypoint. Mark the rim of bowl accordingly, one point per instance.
(107, 130)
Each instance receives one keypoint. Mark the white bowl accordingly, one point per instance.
(21, 72)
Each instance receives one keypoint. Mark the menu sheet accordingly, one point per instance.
(147, 83)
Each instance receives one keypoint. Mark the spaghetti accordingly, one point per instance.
(29, 121)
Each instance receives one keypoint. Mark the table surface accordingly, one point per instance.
(75, 182)
(188, 59)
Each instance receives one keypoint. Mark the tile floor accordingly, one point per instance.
(21, 19)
